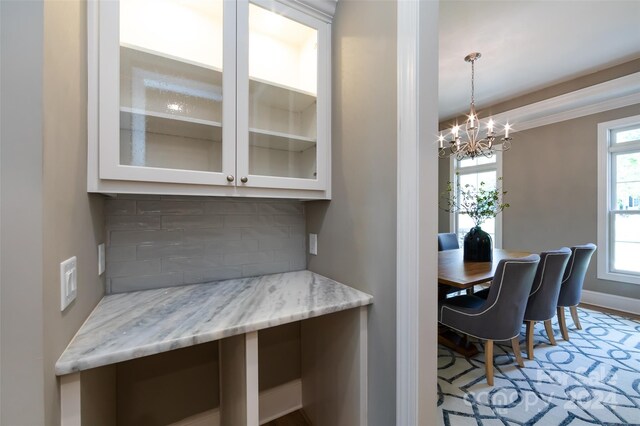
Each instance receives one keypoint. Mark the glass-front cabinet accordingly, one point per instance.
(226, 94)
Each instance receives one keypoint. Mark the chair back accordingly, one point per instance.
(571, 287)
(543, 299)
(447, 241)
(503, 311)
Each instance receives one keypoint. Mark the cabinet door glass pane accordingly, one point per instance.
(171, 84)
(283, 68)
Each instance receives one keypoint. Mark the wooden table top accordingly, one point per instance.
(454, 271)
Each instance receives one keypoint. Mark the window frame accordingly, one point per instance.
(497, 167)
(607, 153)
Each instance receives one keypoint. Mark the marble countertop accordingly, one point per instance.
(132, 325)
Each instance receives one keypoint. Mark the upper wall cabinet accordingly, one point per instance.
(209, 97)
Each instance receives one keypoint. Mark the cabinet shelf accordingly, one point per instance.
(280, 141)
(267, 93)
(172, 125)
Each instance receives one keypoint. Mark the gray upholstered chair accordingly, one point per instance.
(448, 241)
(571, 287)
(544, 293)
(500, 315)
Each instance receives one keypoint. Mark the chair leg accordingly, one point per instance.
(530, 325)
(547, 326)
(488, 361)
(562, 323)
(515, 344)
(470, 291)
(574, 315)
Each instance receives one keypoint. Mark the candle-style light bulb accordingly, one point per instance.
(454, 130)
(441, 140)
(471, 120)
(507, 127)
(490, 125)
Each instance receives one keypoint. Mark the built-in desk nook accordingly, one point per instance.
(133, 325)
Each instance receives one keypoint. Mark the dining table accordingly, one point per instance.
(454, 271)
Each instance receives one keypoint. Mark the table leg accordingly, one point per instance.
(457, 343)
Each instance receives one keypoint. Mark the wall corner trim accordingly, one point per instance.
(612, 94)
(611, 301)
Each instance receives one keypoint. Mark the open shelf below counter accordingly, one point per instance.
(168, 124)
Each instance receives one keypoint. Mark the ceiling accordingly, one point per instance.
(528, 45)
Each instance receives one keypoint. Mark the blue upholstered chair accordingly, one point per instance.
(571, 287)
(500, 315)
(447, 241)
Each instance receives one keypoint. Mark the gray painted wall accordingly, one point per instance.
(73, 224)
(357, 228)
(554, 199)
(21, 346)
(162, 241)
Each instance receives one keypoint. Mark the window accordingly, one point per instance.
(619, 200)
(472, 172)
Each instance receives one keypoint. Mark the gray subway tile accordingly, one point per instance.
(170, 207)
(176, 264)
(138, 197)
(120, 285)
(265, 232)
(248, 258)
(289, 220)
(298, 242)
(184, 222)
(142, 237)
(298, 263)
(191, 235)
(118, 253)
(114, 207)
(230, 207)
(247, 221)
(156, 251)
(287, 255)
(291, 208)
(132, 222)
(228, 247)
(214, 274)
(134, 268)
(265, 268)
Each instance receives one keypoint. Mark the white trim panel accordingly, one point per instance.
(617, 93)
(611, 301)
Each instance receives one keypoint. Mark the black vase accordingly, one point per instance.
(478, 246)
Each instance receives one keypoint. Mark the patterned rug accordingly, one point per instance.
(594, 378)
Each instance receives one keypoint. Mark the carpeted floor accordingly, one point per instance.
(594, 378)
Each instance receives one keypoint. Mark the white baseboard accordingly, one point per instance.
(273, 403)
(611, 301)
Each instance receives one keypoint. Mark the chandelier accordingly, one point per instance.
(476, 141)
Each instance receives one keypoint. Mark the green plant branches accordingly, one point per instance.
(479, 204)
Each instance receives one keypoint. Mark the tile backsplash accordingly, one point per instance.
(162, 241)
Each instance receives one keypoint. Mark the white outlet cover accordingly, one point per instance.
(101, 259)
(68, 282)
(313, 244)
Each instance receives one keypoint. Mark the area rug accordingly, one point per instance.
(594, 378)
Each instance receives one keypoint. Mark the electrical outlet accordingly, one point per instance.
(313, 244)
(101, 259)
(68, 282)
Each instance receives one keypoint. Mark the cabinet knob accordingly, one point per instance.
(230, 178)
(244, 179)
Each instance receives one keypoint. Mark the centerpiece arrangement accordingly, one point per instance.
(479, 204)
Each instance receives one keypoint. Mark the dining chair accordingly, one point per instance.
(500, 315)
(543, 299)
(571, 287)
(448, 241)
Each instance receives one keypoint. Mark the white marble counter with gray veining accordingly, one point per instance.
(132, 325)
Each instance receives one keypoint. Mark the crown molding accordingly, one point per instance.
(321, 9)
(612, 94)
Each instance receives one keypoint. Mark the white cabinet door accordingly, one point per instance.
(167, 91)
(283, 67)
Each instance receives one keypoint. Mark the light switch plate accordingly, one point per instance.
(313, 244)
(68, 282)
(101, 259)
